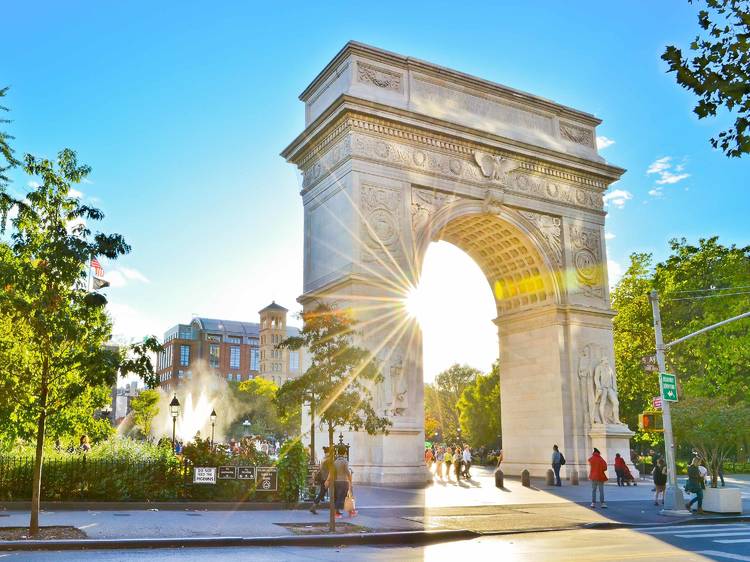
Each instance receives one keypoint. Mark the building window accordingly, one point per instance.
(234, 339)
(213, 337)
(253, 341)
(229, 376)
(169, 356)
(184, 355)
(234, 357)
(180, 374)
(294, 360)
(213, 356)
(254, 359)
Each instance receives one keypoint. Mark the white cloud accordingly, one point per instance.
(129, 323)
(656, 192)
(609, 236)
(664, 168)
(615, 272)
(617, 197)
(75, 193)
(603, 142)
(33, 184)
(121, 276)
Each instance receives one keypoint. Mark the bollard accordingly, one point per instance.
(574, 477)
(525, 478)
(550, 477)
(499, 479)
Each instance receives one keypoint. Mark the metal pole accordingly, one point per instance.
(675, 502)
(212, 434)
(312, 429)
(174, 422)
(707, 329)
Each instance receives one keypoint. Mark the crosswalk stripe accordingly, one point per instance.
(725, 555)
(732, 541)
(714, 535)
(690, 528)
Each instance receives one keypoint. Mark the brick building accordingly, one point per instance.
(236, 351)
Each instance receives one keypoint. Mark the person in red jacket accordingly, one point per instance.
(620, 469)
(597, 468)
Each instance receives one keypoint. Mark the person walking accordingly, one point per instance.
(448, 462)
(342, 482)
(556, 463)
(439, 460)
(620, 468)
(428, 458)
(458, 461)
(467, 461)
(597, 469)
(695, 485)
(320, 479)
(660, 481)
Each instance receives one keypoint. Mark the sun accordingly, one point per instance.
(417, 304)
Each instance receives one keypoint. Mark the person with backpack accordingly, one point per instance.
(695, 485)
(558, 460)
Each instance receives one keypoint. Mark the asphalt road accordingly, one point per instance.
(722, 543)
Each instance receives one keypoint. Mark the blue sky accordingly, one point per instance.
(182, 108)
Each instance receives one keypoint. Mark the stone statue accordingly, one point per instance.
(586, 361)
(606, 391)
(398, 389)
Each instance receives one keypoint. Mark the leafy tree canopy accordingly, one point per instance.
(145, 408)
(479, 408)
(718, 69)
(442, 396)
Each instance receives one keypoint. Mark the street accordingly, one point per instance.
(721, 543)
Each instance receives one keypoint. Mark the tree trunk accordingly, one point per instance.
(37, 482)
(332, 476)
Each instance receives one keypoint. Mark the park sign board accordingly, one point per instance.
(204, 475)
(668, 386)
(656, 402)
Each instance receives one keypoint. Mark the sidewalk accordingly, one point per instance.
(475, 506)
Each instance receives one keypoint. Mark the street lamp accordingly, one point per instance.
(459, 437)
(174, 410)
(246, 427)
(212, 417)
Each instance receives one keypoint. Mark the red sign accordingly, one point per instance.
(656, 402)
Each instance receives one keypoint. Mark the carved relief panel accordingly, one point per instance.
(381, 224)
(586, 253)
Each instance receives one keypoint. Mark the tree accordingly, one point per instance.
(6, 152)
(256, 398)
(719, 70)
(479, 408)
(145, 406)
(442, 396)
(713, 427)
(339, 378)
(63, 327)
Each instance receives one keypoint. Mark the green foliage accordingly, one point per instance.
(257, 399)
(145, 407)
(713, 427)
(442, 396)
(6, 152)
(292, 465)
(697, 286)
(340, 375)
(719, 70)
(479, 408)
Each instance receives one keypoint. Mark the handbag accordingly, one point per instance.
(349, 505)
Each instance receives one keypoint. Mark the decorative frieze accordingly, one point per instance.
(576, 134)
(379, 77)
(424, 204)
(587, 259)
(550, 230)
(381, 220)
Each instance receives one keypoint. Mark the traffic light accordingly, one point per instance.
(651, 421)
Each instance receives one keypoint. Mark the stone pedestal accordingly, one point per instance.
(611, 439)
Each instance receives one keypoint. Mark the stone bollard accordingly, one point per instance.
(525, 478)
(550, 477)
(574, 477)
(499, 479)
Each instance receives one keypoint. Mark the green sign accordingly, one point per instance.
(668, 385)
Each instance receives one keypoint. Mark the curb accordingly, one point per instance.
(161, 506)
(685, 521)
(397, 537)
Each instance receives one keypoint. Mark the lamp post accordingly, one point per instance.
(174, 410)
(459, 437)
(212, 417)
(246, 427)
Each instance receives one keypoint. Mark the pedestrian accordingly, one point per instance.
(458, 461)
(467, 461)
(720, 470)
(84, 443)
(448, 462)
(439, 460)
(556, 463)
(342, 482)
(321, 475)
(655, 456)
(704, 472)
(597, 469)
(695, 485)
(660, 481)
(428, 458)
(620, 468)
(499, 458)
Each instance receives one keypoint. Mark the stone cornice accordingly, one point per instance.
(486, 86)
(381, 119)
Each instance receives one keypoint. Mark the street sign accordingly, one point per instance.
(204, 475)
(649, 364)
(227, 472)
(266, 478)
(656, 402)
(245, 473)
(668, 385)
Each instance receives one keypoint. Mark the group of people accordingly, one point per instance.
(447, 460)
(340, 477)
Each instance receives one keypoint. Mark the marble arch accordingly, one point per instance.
(397, 153)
